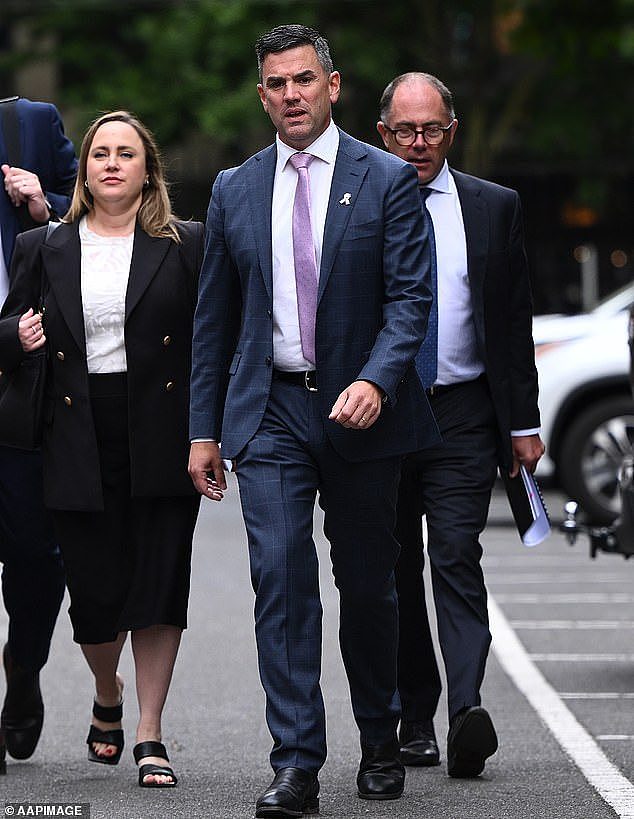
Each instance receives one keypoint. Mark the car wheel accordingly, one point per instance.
(591, 455)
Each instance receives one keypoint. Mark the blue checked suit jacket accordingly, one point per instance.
(373, 303)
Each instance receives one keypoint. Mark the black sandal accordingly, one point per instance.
(153, 748)
(113, 737)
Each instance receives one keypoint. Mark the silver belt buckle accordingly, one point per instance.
(307, 378)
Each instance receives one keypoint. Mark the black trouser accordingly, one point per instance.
(451, 484)
(32, 574)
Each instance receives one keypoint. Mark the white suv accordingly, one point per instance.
(585, 401)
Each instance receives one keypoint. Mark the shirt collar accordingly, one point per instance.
(325, 147)
(440, 182)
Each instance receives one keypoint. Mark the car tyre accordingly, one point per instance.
(591, 454)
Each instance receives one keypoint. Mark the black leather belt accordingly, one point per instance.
(306, 378)
(440, 389)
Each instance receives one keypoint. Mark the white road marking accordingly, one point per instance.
(590, 597)
(596, 695)
(618, 737)
(557, 657)
(603, 776)
(571, 625)
(518, 579)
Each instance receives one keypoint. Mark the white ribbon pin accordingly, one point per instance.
(345, 199)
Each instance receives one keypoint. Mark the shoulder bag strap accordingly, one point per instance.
(50, 229)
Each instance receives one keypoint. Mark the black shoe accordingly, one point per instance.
(3, 751)
(23, 710)
(114, 736)
(470, 741)
(418, 744)
(293, 792)
(381, 773)
(153, 748)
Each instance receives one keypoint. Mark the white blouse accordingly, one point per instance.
(105, 268)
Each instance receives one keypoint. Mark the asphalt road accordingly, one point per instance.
(563, 627)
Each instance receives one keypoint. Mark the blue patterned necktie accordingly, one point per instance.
(427, 356)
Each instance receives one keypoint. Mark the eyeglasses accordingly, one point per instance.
(433, 134)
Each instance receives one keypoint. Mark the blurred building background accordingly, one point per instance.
(543, 91)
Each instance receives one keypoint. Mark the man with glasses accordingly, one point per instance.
(478, 369)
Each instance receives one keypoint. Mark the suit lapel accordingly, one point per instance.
(261, 201)
(475, 215)
(61, 259)
(147, 255)
(350, 170)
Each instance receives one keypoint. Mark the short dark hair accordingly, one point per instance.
(388, 94)
(282, 38)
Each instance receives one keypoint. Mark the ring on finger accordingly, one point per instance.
(34, 328)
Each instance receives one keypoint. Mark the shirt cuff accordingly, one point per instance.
(516, 433)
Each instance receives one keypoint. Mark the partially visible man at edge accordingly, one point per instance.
(32, 576)
(313, 300)
(483, 392)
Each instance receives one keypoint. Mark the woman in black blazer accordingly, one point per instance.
(120, 281)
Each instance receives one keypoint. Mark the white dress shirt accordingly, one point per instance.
(458, 358)
(105, 269)
(287, 345)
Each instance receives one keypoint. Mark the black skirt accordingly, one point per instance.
(127, 567)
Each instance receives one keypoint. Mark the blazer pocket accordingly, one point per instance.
(234, 363)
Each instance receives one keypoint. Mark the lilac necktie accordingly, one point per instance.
(306, 280)
(427, 356)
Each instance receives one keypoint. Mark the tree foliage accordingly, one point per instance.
(534, 81)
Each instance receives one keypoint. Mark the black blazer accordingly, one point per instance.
(502, 303)
(160, 302)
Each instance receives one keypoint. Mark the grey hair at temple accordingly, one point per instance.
(388, 94)
(282, 38)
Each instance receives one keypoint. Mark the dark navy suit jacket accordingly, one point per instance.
(373, 303)
(502, 304)
(47, 152)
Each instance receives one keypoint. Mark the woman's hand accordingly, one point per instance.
(30, 331)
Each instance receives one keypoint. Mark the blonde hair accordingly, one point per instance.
(155, 214)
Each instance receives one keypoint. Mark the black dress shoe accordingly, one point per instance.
(3, 751)
(293, 792)
(418, 744)
(381, 773)
(23, 710)
(471, 740)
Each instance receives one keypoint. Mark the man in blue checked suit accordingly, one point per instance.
(302, 369)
